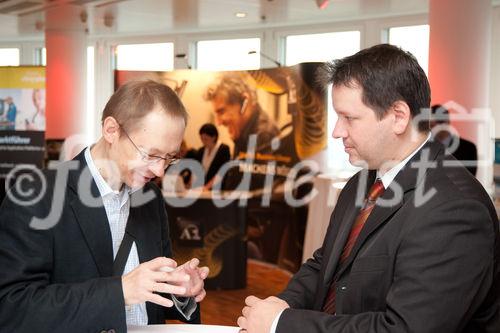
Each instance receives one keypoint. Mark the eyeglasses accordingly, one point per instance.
(151, 159)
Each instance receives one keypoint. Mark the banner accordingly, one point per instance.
(273, 120)
(22, 120)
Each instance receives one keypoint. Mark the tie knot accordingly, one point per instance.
(376, 190)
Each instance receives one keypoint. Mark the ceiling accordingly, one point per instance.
(122, 17)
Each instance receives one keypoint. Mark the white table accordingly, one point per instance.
(320, 208)
(181, 328)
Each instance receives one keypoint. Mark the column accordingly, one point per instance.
(65, 40)
(459, 65)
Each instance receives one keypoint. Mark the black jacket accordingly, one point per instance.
(61, 279)
(222, 156)
(417, 266)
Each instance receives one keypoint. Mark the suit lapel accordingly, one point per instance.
(339, 242)
(379, 215)
(93, 221)
(345, 225)
(393, 198)
(143, 228)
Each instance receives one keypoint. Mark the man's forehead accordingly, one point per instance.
(345, 95)
(220, 98)
(351, 84)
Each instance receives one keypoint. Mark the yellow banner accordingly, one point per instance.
(22, 77)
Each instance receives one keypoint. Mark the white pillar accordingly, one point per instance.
(459, 66)
(65, 40)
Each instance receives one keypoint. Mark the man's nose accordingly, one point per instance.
(218, 119)
(158, 168)
(339, 130)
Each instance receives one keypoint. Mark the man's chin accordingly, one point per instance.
(233, 134)
(136, 186)
(137, 182)
(357, 162)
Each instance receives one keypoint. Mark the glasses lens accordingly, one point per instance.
(153, 159)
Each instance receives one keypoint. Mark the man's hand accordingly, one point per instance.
(195, 285)
(259, 314)
(141, 284)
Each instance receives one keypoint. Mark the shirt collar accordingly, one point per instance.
(102, 185)
(389, 176)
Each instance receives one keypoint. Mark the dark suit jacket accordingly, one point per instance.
(466, 151)
(416, 267)
(222, 156)
(60, 279)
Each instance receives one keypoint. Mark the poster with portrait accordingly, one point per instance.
(273, 120)
(22, 119)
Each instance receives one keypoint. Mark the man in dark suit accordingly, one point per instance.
(85, 248)
(235, 105)
(237, 108)
(419, 250)
(462, 149)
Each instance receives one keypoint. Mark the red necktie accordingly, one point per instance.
(375, 191)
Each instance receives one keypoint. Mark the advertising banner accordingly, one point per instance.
(273, 120)
(22, 120)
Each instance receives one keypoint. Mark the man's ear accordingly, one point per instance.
(402, 117)
(110, 130)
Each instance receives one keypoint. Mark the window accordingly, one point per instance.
(321, 47)
(9, 57)
(41, 56)
(414, 39)
(90, 94)
(230, 54)
(146, 57)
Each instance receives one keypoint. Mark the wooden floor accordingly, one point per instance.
(223, 307)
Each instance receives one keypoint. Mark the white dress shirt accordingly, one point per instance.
(208, 158)
(386, 179)
(117, 206)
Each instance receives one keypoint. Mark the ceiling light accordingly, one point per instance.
(240, 15)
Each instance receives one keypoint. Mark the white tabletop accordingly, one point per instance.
(181, 328)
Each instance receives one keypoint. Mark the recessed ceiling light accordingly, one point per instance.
(240, 15)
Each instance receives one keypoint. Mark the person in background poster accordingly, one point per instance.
(37, 121)
(236, 107)
(10, 114)
(3, 111)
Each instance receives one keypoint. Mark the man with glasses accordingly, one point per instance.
(86, 248)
